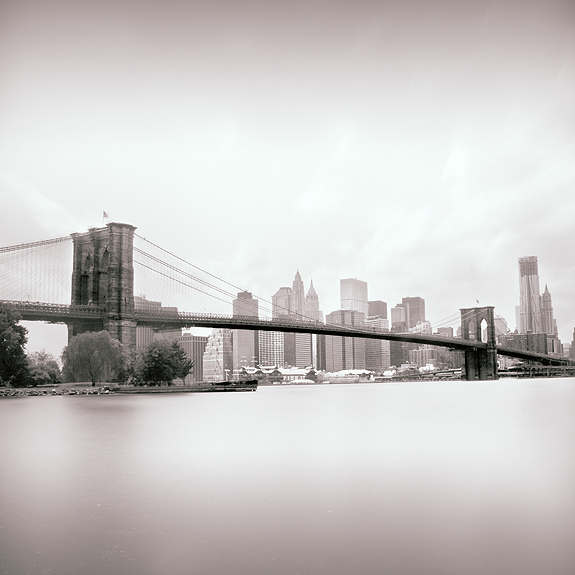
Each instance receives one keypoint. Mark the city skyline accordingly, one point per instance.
(422, 147)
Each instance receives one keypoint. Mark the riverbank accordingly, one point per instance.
(87, 389)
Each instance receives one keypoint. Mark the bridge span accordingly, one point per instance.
(169, 320)
(102, 297)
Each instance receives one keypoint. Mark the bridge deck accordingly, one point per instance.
(61, 313)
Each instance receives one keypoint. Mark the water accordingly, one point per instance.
(434, 478)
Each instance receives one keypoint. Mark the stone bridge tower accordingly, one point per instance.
(479, 363)
(103, 276)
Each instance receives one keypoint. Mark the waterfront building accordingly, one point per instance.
(271, 348)
(353, 295)
(218, 357)
(529, 297)
(345, 352)
(526, 341)
(423, 355)
(377, 351)
(245, 342)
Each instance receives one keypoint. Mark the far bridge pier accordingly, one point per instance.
(480, 362)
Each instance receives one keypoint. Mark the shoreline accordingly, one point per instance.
(114, 389)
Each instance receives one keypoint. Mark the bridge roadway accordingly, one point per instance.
(162, 320)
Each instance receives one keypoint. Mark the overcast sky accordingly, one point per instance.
(419, 146)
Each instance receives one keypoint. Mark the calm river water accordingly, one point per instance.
(431, 479)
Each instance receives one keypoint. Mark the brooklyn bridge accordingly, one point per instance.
(108, 263)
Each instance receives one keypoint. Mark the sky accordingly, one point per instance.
(420, 146)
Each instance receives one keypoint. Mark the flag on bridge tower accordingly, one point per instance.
(105, 215)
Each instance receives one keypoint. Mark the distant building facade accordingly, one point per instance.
(271, 348)
(353, 295)
(377, 308)
(414, 310)
(377, 351)
(345, 352)
(194, 346)
(218, 356)
(245, 343)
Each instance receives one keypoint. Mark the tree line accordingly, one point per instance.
(93, 356)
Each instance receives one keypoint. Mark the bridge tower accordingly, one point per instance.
(103, 276)
(479, 363)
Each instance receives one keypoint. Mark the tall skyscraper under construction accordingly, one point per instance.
(529, 296)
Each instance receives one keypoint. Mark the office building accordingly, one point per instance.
(245, 342)
(345, 352)
(548, 323)
(445, 331)
(377, 351)
(282, 302)
(271, 348)
(298, 296)
(194, 346)
(377, 308)
(414, 310)
(146, 335)
(296, 347)
(312, 310)
(353, 295)
(399, 317)
(218, 357)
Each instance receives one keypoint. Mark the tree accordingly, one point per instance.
(162, 361)
(183, 365)
(13, 340)
(43, 368)
(93, 356)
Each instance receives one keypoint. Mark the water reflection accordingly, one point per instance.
(417, 478)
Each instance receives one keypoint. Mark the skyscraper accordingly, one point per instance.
(399, 317)
(529, 298)
(548, 323)
(271, 348)
(282, 302)
(414, 309)
(377, 351)
(218, 356)
(245, 341)
(345, 352)
(377, 308)
(312, 310)
(296, 347)
(298, 295)
(353, 294)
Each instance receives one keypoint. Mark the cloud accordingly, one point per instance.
(27, 214)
